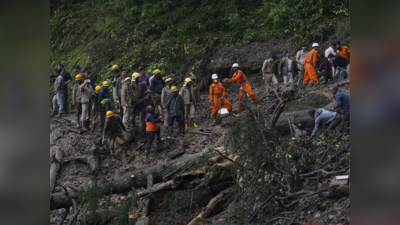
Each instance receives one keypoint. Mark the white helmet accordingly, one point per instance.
(214, 76)
(315, 45)
(235, 65)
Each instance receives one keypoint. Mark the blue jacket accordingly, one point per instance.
(342, 102)
(322, 115)
(143, 87)
(152, 118)
(104, 99)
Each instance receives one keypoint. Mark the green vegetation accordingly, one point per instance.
(307, 102)
(100, 33)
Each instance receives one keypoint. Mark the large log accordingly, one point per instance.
(298, 117)
(211, 205)
(124, 183)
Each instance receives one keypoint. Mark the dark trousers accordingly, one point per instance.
(143, 120)
(179, 119)
(66, 99)
(327, 75)
(102, 119)
(335, 124)
(150, 138)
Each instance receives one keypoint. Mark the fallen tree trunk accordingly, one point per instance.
(211, 205)
(124, 183)
(192, 180)
(298, 117)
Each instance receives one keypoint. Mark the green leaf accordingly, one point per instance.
(321, 10)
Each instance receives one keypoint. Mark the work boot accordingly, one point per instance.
(194, 123)
(182, 130)
(83, 125)
(87, 124)
(112, 153)
(166, 129)
(171, 132)
(78, 122)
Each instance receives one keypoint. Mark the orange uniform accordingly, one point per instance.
(239, 77)
(345, 51)
(217, 91)
(310, 66)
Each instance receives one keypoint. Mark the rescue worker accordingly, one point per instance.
(143, 79)
(175, 109)
(115, 76)
(330, 119)
(116, 128)
(127, 102)
(118, 86)
(87, 72)
(76, 98)
(217, 97)
(156, 87)
(58, 99)
(239, 77)
(86, 96)
(152, 128)
(190, 101)
(77, 70)
(136, 94)
(287, 67)
(300, 56)
(164, 94)
(141, 105)
(342, 103)
(95, 103)
(310, 65)
(342, 50)
(104, 102)
(268, 73)
(330, 50)
(327, 70)
(342, 62)
(67, 79)
(196, 89)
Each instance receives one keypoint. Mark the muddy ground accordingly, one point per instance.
(76, 173)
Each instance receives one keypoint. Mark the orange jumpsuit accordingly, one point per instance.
(345, 51)
(310, 66)
(239, 77)
(217, 91)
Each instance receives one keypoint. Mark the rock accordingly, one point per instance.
(317, 215)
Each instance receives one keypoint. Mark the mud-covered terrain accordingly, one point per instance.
(72, 153)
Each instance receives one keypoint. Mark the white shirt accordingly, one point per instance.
(329, 51)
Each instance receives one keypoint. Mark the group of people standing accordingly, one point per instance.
(337, 57)
(156, 100)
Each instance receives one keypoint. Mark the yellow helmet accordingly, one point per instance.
(173, 89)
(105, 84)
(187, 80)
(78, 77)
(157, 71)
(115, 67)
(135, 75)
(109, 114)
(97, 89)
(168, 80)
